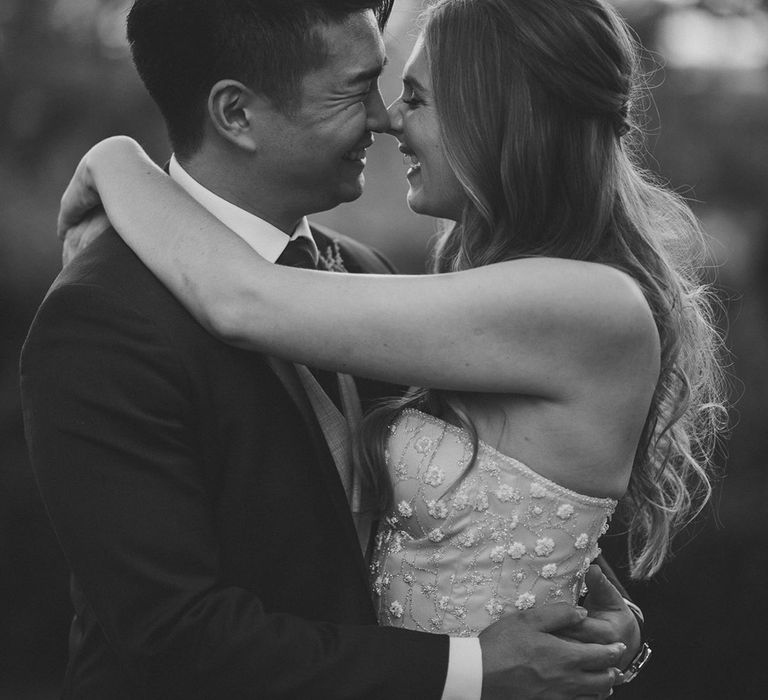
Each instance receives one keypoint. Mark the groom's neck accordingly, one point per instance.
(241, 187)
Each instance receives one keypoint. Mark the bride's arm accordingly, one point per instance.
(529, 326)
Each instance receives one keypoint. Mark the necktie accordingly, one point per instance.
(300, 252)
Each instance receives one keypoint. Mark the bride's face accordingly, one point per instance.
(433, 187)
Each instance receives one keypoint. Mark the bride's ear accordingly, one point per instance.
(236, 113)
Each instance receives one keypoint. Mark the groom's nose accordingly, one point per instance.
(377, 117)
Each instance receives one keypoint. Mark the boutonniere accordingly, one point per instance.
(331, 259)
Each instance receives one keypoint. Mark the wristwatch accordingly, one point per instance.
(645, 651)
(636, 665)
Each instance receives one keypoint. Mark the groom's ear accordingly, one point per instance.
(236, 112)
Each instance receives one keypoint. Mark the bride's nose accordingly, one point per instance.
(395, 118)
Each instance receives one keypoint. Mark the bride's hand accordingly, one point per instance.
(80, 203)
(82, 234)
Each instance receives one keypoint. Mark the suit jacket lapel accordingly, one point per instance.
(288, 377)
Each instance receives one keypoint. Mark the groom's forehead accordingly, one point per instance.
(355, 49)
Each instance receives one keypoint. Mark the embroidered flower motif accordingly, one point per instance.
(565, 511)
(437, 509)
(505, 493)
(460, 611)
(436, 535)
(404, 508)
(397, 544)
(516, 550)
(401, 472)
(434, 476)
(494, 608)
(490, 467)
(498, 554)
(537, 510)
(544, 546)
(428, 589)
(537, 490)
(525, 601)
(408, 578)
(481, 502)
(444, 602)
(386, 457)
(519, 576)
(581, 541)
(548, 571)
(396, 609)
(377, 585)
(469, 538)
(423, 444)
(460, 500)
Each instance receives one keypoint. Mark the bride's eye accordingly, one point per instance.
(409, 98)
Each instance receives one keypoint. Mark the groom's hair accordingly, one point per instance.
(181, 48)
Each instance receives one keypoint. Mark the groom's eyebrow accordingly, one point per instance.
(369, 74)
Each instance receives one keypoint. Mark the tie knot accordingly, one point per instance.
(300, 252)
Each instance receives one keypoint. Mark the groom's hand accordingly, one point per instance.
(524, 659)
(610, 620)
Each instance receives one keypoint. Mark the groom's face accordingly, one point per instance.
(316, 155)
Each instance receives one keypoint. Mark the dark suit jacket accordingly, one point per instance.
(211, 546)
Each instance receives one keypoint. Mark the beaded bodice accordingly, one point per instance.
(458, 551)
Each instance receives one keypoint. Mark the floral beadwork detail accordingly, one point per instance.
(495, 537)
(423, 444)
(548, 570)
(405, 509)
(436, 535)
(437, 510)
(581, 541)
(544, 547)
(525, 601)
(434, 476)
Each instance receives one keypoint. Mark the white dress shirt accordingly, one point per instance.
(464, 679)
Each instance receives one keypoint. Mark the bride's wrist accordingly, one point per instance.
(112, 153)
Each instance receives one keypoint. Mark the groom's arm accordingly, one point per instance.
(111, 432)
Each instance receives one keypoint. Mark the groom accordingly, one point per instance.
(190, 485)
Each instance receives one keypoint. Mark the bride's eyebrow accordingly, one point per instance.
(411, 82)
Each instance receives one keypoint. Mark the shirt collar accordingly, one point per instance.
(267, 240)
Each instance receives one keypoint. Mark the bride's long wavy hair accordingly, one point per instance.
(537, 103)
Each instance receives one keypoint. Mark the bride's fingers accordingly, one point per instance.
(79, 198)
(81, 235)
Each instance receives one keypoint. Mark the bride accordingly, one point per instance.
(563, 343)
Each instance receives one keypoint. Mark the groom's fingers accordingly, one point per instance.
(596, 657)
(557, 616)
(596, 684)
(590, 630)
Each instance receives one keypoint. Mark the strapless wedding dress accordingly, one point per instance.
(457, 552)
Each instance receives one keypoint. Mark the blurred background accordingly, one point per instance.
(66, 80)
